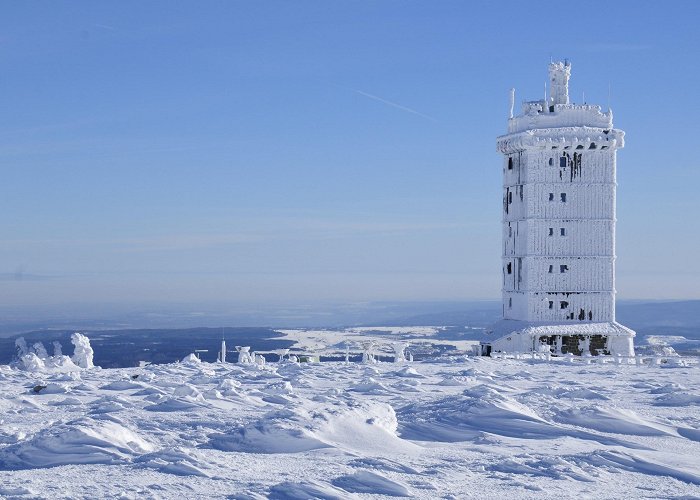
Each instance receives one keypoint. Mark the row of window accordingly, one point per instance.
(563, 268)
(563, 304)
(562, 197)
(562, 231)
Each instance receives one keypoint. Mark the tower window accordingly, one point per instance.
(551, 231)
(510, 302)
(551, 304)
(510, 163)
(563, 268)
(551, 196)
(551, 162)
(563, 197)
(563, 304)
(551, 269)
(509, 268)
(562, 231)
(562, 161)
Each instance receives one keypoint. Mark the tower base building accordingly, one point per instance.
(558, 252)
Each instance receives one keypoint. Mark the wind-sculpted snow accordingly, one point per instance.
(83, 441)
(450, 427)
(351, 425)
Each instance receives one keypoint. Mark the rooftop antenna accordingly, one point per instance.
(609, 91)
(584, 97)
(512, 102)
(222, 352)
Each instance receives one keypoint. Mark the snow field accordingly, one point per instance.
(447, 428)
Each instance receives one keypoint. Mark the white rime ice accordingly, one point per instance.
(21, 346)
(40, 350)
(83, 353)
(57, 349)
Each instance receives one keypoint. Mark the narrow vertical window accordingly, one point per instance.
(551, 231)
(551, 196)
(563, 304)
(551, 304)
(563, 268)
(563, 197)
(510, 163)
(551, 269)
(562, 162)
(562, 231)
(510, 302)
(509, 267)
(551, 162)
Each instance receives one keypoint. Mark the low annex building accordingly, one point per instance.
(558, 253)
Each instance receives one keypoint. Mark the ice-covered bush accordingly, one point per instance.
(83, 353)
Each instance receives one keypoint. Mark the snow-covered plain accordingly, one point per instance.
(448, 427)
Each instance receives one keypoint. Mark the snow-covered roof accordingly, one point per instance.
(509, 327)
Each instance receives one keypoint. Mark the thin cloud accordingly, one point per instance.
(394, 105)
(105, 27)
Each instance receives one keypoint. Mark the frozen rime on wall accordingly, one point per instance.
(559, 209)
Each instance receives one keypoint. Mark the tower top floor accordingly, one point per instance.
(555, 110)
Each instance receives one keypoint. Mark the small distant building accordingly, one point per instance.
(558, 252)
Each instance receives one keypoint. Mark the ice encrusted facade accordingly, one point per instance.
(558, 250)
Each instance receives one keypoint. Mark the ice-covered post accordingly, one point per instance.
(367, 352)
(282, 354)
(244, 355)
(584, 345)
(559, 344)
(222, 353)
(400, 352)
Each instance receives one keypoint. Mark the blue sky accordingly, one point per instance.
(272, 151)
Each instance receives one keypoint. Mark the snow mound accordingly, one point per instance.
(303, 491)
(351, 426)
(122, 385)
(408, 372)
(371, 483)
(83, 441)
(370, 386)
(460, 418)
(179, 462)
(191, 359)
(617, 460)
(613, 420)
(678, 399)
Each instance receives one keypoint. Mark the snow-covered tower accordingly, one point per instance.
(558, 251)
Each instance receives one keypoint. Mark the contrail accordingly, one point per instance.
(395, 105)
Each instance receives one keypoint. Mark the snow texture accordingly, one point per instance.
(453, 426)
